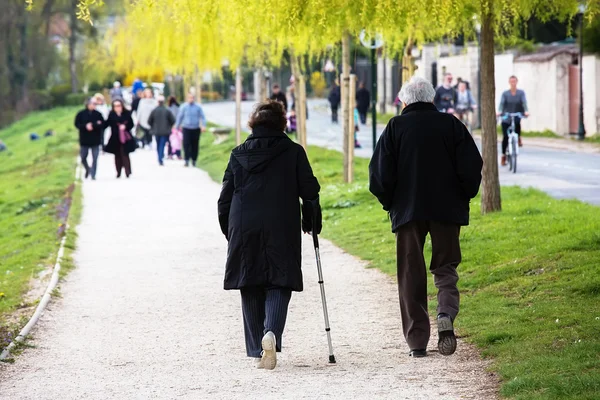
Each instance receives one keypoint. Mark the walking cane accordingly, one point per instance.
(322, 286)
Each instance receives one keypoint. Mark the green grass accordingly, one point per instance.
(530, 276)
(35, 180)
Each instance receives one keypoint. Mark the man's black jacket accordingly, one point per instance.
(426, 166)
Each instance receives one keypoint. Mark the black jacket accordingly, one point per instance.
(444, 98)
(280, 97)
(426, 166)
(161, 121)
(259, 211)
(363, 98)
(113, 122)
(94, 137)
(334, 96)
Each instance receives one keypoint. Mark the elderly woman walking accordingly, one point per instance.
(259, 213)
(121, 142)
(425, 170)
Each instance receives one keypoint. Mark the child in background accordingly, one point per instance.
(356, 129)
(175, 139)
(291, 125)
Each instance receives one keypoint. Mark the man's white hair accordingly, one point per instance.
(417, 90)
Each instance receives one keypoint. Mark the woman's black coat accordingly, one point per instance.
(259, 211)
(113, 122)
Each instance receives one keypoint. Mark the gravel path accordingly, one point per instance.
(144, 316)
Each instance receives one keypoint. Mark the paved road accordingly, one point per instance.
(144, 316)
(562, 174)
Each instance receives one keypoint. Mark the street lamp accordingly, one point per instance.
(478, 30)
(581, 131)
(374, 43)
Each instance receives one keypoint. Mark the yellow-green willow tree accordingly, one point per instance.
(259, 31)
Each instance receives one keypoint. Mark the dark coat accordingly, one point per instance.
(94, 137)
(335, 96)
(161, 121)
(426, 167)
(113, 122)
(280, 97)
(363, 99)
(259, 211)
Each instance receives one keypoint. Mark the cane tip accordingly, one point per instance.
(332, 359)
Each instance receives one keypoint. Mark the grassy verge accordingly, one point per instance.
(35, 196)
(530, 281)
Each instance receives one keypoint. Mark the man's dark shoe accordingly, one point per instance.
(87, 173)
(447, 339)
(418, 353)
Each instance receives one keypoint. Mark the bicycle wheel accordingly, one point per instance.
(513, 158)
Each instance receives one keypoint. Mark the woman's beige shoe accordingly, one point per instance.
(269, 354)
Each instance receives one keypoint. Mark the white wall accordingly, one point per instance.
(503, 69)
(591, 94)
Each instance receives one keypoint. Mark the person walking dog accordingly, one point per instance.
(191, 119)
(424, 171)
(90, 125)
(161, 121)
(259, 214)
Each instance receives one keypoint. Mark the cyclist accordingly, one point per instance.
(513, 100)
(465, 103)
(445, 96)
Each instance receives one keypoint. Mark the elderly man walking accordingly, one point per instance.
(191, 119)
(424, 171)
(161, 121)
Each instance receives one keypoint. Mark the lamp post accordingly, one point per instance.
(581, 130)
(374, 43)
(478, 27)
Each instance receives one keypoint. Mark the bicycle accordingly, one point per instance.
(463, 116)
(513, 140)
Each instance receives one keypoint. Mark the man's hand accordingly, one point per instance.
(89, 126)
(99, 122)
(498, 114)
(526, 113)
(450, 111)
(203, 129)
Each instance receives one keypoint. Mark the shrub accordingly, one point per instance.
(41, 100)
(211, 96)
(76, 99)
(59, 94)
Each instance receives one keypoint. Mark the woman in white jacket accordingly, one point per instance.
(147, 104)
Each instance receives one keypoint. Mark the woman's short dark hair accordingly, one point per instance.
(270, 114)
(173, 100)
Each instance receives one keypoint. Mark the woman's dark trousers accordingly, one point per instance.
(122, 161)
(264, 310)
(334, 113)
(412, 275)
(191, 144)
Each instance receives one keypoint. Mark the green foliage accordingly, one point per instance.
(35, 179)
(529, 278)
(42, 100)
(591, 36)
(59, 94)
(76, 99)
(318, 84)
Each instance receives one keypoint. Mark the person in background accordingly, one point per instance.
(90, 125)
(137, 96)
(103, 109)
(356, 128)
(513, 100)
(279, 96)
(192, 122)
(137, 88)
(174, 108)
(116, 92)
(445, 96)
(2, 146)
(121, 142)
(263, 227)
(334, 101)
(425, 169)
(465, 103)
(145, 107)
(292, 128)
(363, 99)
(161, 122)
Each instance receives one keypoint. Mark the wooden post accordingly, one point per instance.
(301, 108)
(238, 106)
(197, 85)
(345, 90)
(352, 105)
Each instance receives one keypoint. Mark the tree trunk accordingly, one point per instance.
(490, 186)
(197, 85)
(300, 99)
(72, 44)
(351, 106)
(238, 106)
(345, 90)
